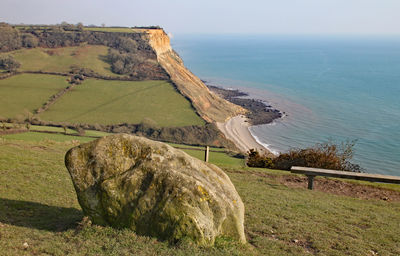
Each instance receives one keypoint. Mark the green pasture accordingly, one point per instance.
(113, 102)
(26, 92)
(61, 59)
(105, 29)
(38, 206)
(218, 158)
(44, 137)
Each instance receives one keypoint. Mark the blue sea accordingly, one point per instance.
(330, 88)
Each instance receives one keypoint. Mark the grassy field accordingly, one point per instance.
(105, 29)
(218, 158)
(61, 59)
(27, 92)
(111, 102)
(38, 206)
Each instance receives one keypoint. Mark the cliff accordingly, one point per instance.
(210, 106)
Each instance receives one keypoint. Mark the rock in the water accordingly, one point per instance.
(155, 190)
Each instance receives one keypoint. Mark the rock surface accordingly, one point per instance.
(155, 190)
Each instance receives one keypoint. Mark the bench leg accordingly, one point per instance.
(310, 181)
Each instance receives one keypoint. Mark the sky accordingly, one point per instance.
(216, 16)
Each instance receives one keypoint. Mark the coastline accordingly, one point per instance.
(237, 130)
(259, 112)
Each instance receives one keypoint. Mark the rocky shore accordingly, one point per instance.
(259, 111)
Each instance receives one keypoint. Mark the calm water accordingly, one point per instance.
(330, 88)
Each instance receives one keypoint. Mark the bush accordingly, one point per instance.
(79, 129)
(8, 63)
(255, 159)
(9, 38)
(326, 156)
(123, 63)
(29, 41)
(127, 44)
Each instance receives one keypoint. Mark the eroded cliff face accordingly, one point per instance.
(210, 107)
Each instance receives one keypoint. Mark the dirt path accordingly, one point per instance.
(333, 186)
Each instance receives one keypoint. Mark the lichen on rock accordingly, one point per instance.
(154, 189)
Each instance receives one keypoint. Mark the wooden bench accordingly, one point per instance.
(312, 172)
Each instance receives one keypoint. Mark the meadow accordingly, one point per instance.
(38, 206)
(113, 102)
(110, 29)
(96, 101)
(26, 92)
(61, 59)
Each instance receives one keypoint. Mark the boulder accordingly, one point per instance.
(154, 189)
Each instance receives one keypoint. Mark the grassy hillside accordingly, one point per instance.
(61, 59)
(38, 205)
(27, 92)
(111, 102)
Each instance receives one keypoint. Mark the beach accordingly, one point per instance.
(237, 130)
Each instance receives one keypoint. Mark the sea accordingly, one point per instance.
(330, 88)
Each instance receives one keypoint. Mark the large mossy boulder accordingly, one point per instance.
(154, 189)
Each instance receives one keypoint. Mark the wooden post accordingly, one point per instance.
(206, 153)
(310, 181)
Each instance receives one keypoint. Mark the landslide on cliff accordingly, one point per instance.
(209, 106)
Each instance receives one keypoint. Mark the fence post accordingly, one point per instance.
(206, 153)
(310, 182)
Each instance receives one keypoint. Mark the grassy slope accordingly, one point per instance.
(111, 102)
(88, 56)
(27, 92)
(38, 206)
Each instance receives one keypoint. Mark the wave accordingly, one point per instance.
(267, 146)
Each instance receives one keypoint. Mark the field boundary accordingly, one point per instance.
(54, 98)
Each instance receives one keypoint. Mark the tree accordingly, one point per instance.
(127, 44)
(80, 26)
(9, 38)
(29, 41)
(118, 67)
(8, 63)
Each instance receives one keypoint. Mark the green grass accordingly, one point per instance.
(196, 147)
(27, 92)
(38, 205)
(112, 102)
(69, 131)
(217, 158)
(105, 29)
(40, 137)
(61, 59)
(50, 129)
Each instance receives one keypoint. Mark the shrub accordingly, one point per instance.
(9, 38)
(8, 63)
(323, 155)
(123, 63)
(255, 159)
(29, 41)
(79, 129)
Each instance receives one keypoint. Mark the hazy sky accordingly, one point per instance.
(216, 16)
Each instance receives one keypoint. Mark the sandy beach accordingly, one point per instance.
(237, 130)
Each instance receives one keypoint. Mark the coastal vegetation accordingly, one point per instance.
(326, 155)
(38, 206)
